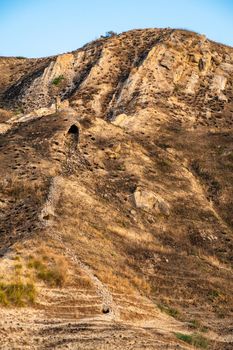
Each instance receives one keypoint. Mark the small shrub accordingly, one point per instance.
(195, 324)
(213, 295)
(52, 276)
(17, 293)
(169, 310)
(21, 57)
(109, 34)
(194, 339)
(56, 81)
(18, 110)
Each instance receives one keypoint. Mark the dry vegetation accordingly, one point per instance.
(17, 294)
(21, 188)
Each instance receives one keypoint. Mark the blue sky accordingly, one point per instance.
(36, 28)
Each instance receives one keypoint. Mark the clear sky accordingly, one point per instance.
(36, 28)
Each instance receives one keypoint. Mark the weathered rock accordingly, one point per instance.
(218, 85)
(145, 199)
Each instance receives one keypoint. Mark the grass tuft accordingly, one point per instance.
(17, 293)
(194, 339)
(169, 310)
(195, 324)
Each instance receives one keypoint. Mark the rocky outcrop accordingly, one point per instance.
(132, 71)
(148, 200)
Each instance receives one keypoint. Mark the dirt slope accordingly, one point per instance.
(116, 195)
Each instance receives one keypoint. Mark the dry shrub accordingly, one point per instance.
(49, 267)
(82, 281)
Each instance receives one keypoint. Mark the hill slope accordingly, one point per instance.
(116, 195)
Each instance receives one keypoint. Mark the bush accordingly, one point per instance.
(56, 81)
(53, 275)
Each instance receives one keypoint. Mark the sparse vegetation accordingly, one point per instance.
(195, 324)
(213, 295)
(52, 274)
(17, 293)
(194, 339)
(19, 189)
(169, 310)
(19, 110)
(57, 81)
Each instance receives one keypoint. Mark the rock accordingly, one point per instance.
(218, 85)
(120, 119)
(167, 60)
(145, 199)
(192, 83)
(227, 67)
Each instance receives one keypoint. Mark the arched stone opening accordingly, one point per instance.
(105, 309)
(73, 132)
(73, 129)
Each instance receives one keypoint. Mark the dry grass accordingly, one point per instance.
(214, 261)
(18, 189)
(126, 282)
(49, 267)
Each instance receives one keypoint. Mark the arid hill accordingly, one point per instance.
(116, 195)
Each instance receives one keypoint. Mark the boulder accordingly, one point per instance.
(148, 200)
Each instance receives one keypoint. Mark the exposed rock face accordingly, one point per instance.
(116, 167)
(133, 71)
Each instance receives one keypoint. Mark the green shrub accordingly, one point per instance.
(194, 339)
(56, 81)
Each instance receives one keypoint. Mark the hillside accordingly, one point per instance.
(116, 195)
